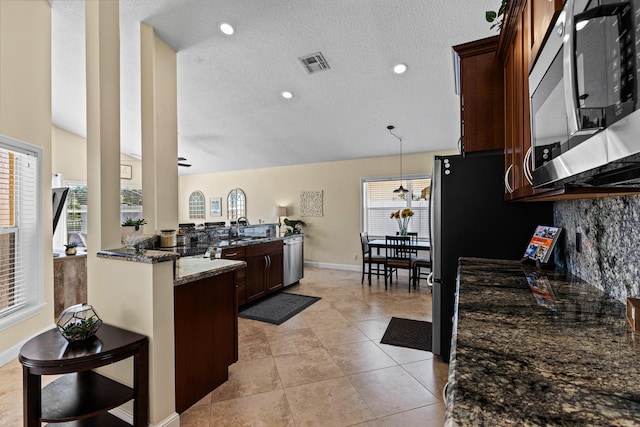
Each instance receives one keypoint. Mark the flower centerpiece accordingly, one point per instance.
(402, 216)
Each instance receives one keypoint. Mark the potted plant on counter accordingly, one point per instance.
(294, 226)
(131, 227)
(70, 249)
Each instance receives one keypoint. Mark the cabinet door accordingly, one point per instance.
(518, 151)
(275, 276)
(205, 320)
(509, 123)
(238, 254)
(542, 14)
(481, 96)
(256, 271)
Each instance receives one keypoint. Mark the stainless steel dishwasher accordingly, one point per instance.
(293, 260)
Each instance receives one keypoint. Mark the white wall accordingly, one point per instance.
(331, 239)
(69, 157)
(25, 114)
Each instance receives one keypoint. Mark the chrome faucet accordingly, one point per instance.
(242, 218)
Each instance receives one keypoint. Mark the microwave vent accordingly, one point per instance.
(314, 63)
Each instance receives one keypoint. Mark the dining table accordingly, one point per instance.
(413, 245)
(420, 245)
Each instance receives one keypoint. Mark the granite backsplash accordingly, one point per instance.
(610, 253)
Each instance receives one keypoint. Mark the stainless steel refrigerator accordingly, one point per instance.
(469, 217)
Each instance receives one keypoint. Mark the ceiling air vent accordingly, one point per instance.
(314, 63)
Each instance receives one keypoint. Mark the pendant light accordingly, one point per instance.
(401, 189)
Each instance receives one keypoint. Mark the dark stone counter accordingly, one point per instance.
(558, 352)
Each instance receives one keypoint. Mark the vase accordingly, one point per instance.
(78, 322)
(70, 251)
(403, 231)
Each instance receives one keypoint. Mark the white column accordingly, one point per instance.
(103, 125)
(159, 132)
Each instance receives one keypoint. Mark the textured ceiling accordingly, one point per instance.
(230, 112)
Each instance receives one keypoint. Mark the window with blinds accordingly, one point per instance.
(379, 201)
(21, 287)
(130, 206)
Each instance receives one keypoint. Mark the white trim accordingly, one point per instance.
(34, 287)
(173, 420)
(12, 352)
(347, 267)
(20, 315)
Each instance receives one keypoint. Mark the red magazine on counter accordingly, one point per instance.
(542, 243)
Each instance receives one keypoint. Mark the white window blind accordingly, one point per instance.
(130, 206)
(20, 233)
(379, 201)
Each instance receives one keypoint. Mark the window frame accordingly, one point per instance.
(405, 180)
(34, 288)
(197, 205)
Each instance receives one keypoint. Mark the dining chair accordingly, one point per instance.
(398, 256)
(418, 265)
(372, 262)
(413, 238)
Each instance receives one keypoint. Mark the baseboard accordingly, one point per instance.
(333, 266)
(11, 353)
(173, 420)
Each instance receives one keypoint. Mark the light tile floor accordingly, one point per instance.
(323, 367)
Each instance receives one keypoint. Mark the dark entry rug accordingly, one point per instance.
(408, 333)
(278, 308)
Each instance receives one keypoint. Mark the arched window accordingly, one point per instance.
(196, 205)
(236, 204)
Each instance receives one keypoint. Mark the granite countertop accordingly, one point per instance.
(146, 256)
(190, 269)
(564, 355)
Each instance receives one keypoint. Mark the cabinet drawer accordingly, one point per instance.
(264, 248)
(234, 253)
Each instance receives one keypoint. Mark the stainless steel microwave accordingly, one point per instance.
(585, 118)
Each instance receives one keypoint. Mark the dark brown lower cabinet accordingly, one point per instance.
(206, 335)
(238, 254)
(264, 269)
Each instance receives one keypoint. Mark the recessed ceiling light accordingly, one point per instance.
(287, 95)
(226, 28)
(400, 68)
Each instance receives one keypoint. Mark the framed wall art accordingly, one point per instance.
(126, 172)
(216, 206)
(311, 203)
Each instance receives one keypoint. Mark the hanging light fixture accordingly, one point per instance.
(401, 189)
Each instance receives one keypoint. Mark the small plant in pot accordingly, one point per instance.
(70, 249)
(130, 229)
(294, 226)
(136, 223)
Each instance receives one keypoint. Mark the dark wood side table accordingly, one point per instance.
(80, 393)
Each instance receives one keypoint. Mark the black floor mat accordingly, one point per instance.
(278, 308)
(408, 333)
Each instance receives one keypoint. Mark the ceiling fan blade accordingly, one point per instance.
(182, 159)
(186, 165)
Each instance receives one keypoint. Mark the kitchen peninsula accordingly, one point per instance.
(205, 319)
(539, 348)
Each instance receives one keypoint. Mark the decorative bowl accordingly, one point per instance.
(78, 322)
